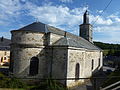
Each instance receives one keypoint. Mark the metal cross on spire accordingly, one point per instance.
(86, 5)
(36, 19)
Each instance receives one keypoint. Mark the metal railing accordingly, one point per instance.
(112, 85)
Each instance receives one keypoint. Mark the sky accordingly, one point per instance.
(64, 14)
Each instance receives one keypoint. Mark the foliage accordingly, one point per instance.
(49, 85)
(6, 82)
(105, 46)
(54, 85)
(109, 49)
(105, 52)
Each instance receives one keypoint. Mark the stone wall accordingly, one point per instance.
(75, 56)
(22, 57)
(59, 63)
(84, 58)
(56, 61)
(22, 54)
(54, 38)
(89, 56)
(27, 37)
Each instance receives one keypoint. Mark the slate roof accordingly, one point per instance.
(4, 43)
(36, 27)
(67, 42)
(75, 43)
(41, 27)
(70, 40)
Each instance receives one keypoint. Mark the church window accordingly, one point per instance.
(4, 58)
(99, 63)
(77, 71)
(92, 64)
(1, 59)
(26, 32)
(34, 63)
(5, 53)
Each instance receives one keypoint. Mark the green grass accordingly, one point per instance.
(17, 84)
(49, 85)
(6, 82)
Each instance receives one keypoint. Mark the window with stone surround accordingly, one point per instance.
(77, 71)
(34, 63)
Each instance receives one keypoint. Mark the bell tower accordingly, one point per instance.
(86, 28)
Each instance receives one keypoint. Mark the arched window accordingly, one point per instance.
(34, 62)
(92, 64)
(1, 59)
(99, 63)
(77, 71)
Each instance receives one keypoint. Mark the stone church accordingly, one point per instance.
(42, 51)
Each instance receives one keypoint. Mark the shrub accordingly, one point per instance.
(6, 82)
(49, 85)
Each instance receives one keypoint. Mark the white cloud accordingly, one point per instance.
(104, 22)
(107, 28)
(5, 34)
(9, 11)
(100, 11)
(115, 17)
(110, 31)
(56, 15)
(100, 20)
(109, 34)
(59, 16)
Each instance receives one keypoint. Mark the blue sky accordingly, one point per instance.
(64, 14)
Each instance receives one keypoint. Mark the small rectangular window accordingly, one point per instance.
(99, 63)
(4, 58)
(5, 53)
(92, 64)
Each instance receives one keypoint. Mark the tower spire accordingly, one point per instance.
(86, 28)
(86, 17)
